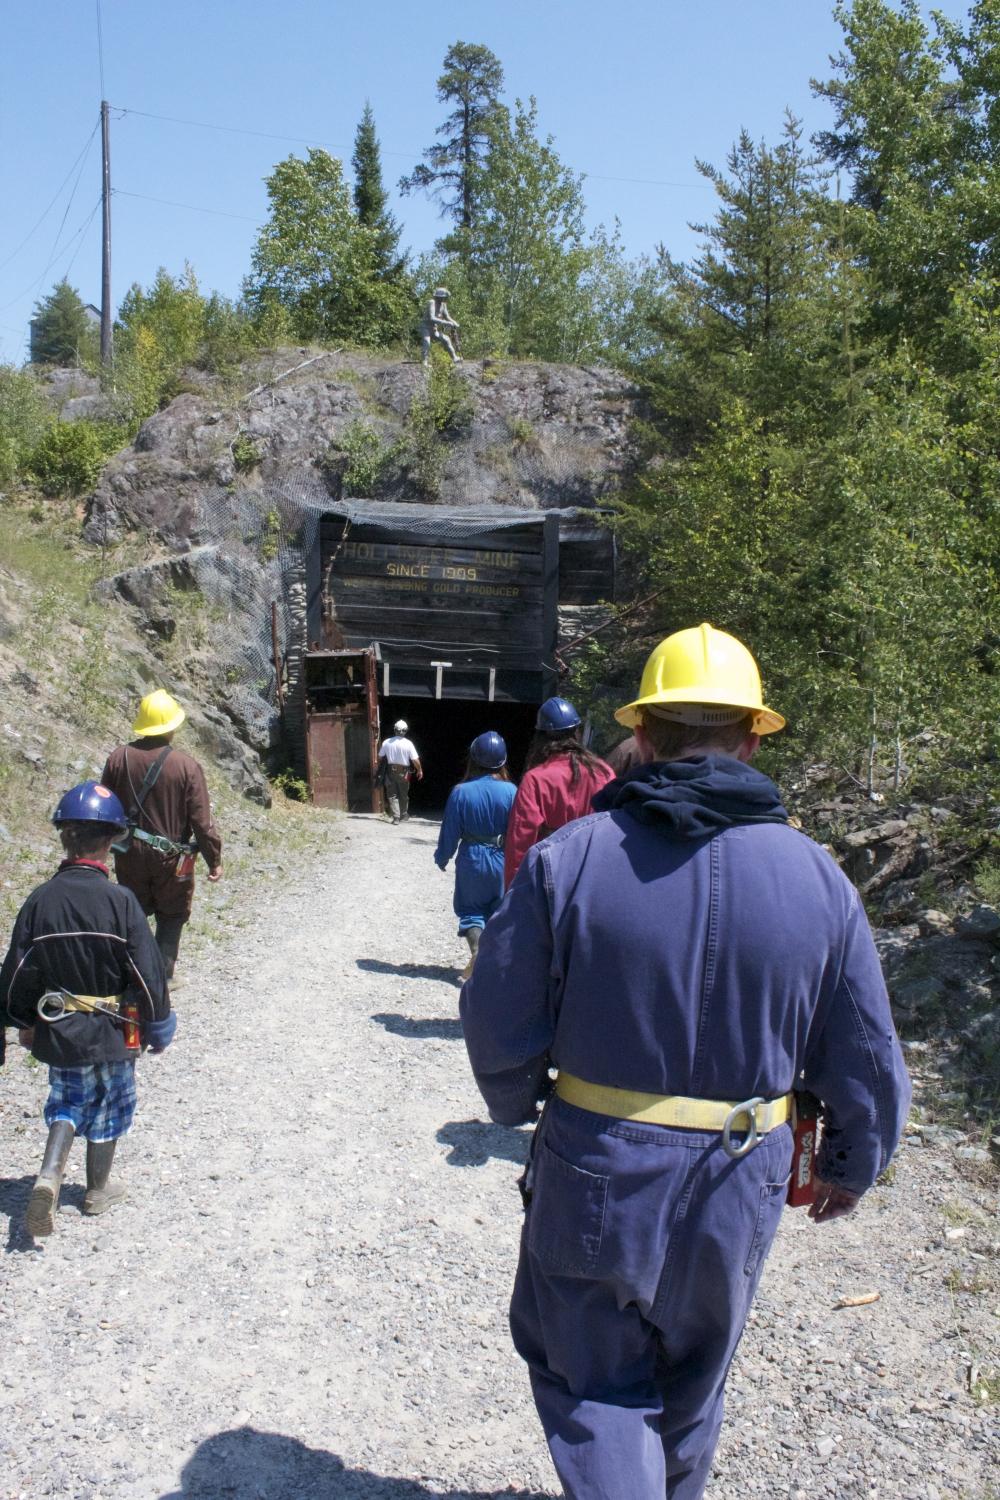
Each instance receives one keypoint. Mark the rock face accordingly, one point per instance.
(940, 952)
(532, 435)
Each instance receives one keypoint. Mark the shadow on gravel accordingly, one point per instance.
(444, 1029)
(473, 1142)
(249, 1465)
(14, 1195)
(411, 971)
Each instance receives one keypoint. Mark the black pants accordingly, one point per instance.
(168, 940)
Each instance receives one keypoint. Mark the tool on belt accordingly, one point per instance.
(55, 1005)
(805, 1129)
(170, 847)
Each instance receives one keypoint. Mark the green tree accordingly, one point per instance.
(61, 331)
(316, 260)
(916, 129)
(453, 168)
(371, 201)
(526, 278)
(820, 490)
(158, 333)
(752, 315)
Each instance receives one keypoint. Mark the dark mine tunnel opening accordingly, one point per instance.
(442, 730)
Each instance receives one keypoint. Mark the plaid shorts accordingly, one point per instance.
(99, 1100)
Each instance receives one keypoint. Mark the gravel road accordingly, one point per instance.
(305, 1294)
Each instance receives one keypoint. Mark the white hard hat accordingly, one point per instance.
(400, 726)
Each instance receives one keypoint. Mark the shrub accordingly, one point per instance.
(246, 454)
(24, 417)
(294, 788)
(71, 455)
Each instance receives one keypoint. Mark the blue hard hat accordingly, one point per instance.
(556, 715)
(489, 750)
(90, 803)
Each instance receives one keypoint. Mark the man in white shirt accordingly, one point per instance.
(400, 756)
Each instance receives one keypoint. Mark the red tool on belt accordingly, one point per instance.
(805, 1127)
(129, 1013)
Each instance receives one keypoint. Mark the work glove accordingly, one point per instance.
(159, 1034)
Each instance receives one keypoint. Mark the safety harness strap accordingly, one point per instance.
(92, 1002)
(673, 1109)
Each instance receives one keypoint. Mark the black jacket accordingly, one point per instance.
(81, 933)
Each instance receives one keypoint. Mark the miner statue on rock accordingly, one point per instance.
(437, 321)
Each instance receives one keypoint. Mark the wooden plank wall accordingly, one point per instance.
(404, 588)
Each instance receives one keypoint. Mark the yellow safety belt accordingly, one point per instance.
(91, 1002)
(674, 1109)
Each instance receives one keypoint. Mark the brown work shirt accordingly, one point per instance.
(178, 805)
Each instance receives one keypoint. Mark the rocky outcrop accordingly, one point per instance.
(535, 435)
(940, 949)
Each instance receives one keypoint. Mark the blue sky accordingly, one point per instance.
(635, 90)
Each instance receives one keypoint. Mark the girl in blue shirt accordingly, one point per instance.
(475, 821)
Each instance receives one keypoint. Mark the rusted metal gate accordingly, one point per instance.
(341, 729)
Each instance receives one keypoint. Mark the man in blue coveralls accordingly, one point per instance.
(685, 959)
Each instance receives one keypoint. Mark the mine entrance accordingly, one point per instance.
(458, 612)
(442, 732)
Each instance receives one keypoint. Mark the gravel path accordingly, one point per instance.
(305, 1294)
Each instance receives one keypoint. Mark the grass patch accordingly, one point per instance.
(960, 1213)
(973, 1282)
(986, 876)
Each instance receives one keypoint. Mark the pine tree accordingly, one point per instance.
(61, 332)
(371, 200)
(453, 167)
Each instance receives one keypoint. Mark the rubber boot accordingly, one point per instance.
(168, 940)
(44, 1201)
(101, 1193)
(472, 936)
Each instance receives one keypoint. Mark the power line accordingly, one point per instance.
(265, 135)
(45, 270)
(69, 203)
(300, 140)
(45, 213)
(195, 207)
(79, 243)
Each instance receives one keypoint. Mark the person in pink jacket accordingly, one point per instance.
(561, 778)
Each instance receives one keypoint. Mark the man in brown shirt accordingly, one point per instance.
(173, 821)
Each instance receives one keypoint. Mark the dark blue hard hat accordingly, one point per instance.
(556, 715)
(90, 803)
(489, 750)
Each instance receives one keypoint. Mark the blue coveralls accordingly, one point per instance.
(475, 820)
(674, 945)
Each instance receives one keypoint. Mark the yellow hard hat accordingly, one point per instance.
(702, 665)
(158, 714)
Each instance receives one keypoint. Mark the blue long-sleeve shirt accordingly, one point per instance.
(720, 966)
(475, 810)
(475, 819)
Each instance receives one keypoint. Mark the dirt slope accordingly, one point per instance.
(305, 1295)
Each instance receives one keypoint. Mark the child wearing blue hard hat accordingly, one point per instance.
(84, 983)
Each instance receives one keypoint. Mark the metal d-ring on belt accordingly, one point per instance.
(494, 843)
(754, 1117)
(55, 1004)
(162, 844)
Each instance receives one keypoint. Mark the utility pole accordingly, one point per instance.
(106, 238)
